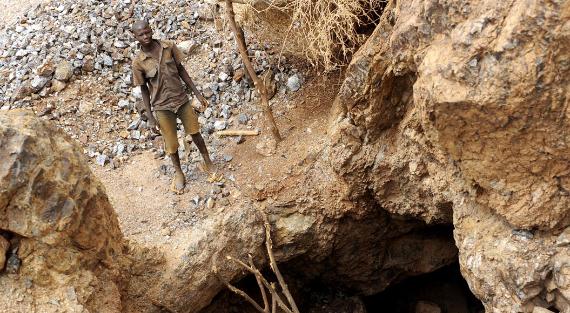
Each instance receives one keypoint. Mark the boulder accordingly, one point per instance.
(66, 237)
(189, 283)
(460, 118)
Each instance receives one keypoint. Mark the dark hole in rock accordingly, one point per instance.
(310, 298)
(228, 302)
(444, 289)
(318, 289)
(8, 235)
(9, 243)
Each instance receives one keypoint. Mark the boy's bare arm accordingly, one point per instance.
(146, 101)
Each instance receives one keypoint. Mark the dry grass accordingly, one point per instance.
(326, 30)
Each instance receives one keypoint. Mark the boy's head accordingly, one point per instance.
(143, 33)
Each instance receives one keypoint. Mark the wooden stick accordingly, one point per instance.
(261, 88)
(270, 287)
(261, 287)
(245, 296)
(237, 132)
(238, 291)
(282, 283)
(273, 305)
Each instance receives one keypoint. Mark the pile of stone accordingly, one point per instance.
(87, 36)
(91, 36)
(64, 39)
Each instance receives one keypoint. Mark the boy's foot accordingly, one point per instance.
(213, 175)
(178, 183)
(206, 167)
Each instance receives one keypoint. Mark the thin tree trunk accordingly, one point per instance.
(261, 88)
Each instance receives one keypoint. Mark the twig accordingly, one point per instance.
(261, 287)
(269, 286)
(245, 296)
(273, 264)
(261, 88)
(273, 304)
(238, 291)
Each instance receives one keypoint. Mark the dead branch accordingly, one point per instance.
(273, 302)
(274, 267)
(239, 292)
(263, 284)
(270, 287)
(260, 86)
(261, 287)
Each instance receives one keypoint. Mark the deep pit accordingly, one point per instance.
(443, 290)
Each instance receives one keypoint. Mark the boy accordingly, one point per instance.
(158, 70)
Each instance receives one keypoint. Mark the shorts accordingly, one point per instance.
(167, 123)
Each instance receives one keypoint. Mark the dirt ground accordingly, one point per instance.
(151, 215)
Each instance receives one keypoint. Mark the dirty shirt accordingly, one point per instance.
(167, 91)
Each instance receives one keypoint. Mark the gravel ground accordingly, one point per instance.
(11, 9)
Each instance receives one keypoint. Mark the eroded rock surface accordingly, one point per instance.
(453, 112)
(64, 235)
(188, 283)
(461, 107)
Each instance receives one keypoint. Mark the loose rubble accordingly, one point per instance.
(89, 41)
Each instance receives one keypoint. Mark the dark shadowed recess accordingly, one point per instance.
(444, 288)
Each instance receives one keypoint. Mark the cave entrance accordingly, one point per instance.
(442, 291)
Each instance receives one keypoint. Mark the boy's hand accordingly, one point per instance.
(152, 124)
(204, 103)
(201, 104)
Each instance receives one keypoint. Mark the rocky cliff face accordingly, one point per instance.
(454, 113)
(57, 227)
(460, 108)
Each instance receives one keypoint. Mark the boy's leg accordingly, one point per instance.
(167, 123)
(199, 141)
(191, 126)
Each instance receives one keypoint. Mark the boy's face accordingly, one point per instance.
(143, 35)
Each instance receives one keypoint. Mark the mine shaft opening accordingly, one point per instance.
(443, 290)
(9, 243)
